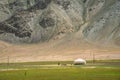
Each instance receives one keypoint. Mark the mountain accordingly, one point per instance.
(69, 27)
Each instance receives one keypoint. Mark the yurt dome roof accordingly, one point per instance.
(79, 61)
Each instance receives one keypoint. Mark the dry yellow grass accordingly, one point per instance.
(53, 52)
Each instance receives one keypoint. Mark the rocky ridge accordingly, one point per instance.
(33, 21)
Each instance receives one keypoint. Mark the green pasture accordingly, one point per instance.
(98, 70)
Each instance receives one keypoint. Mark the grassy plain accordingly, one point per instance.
(99, 70)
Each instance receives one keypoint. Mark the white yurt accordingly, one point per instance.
(79, 61)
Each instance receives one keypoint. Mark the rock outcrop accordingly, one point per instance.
(32, 21)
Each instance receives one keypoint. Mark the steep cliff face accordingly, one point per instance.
(32, 21)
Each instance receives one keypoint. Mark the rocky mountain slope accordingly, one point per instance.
(54, 29)
(32, 21)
